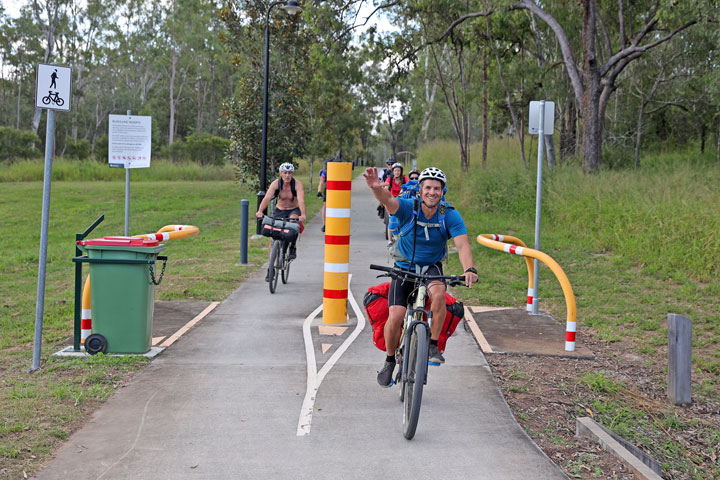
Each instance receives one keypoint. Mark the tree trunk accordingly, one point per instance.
(703, 135)
(19, 95)
(590, 105)
(171, 125)
(638, 136)
(485, 109)
(550, 148)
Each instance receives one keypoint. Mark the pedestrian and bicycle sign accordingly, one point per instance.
(52, 89)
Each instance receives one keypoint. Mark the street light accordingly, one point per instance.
(291, 7)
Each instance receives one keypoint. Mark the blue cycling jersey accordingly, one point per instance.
(430, 243)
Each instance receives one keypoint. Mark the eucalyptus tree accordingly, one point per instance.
(288, 129)
(613, 35)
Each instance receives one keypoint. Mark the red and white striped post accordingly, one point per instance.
(337, 242)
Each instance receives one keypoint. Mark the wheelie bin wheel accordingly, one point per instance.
(95, 343)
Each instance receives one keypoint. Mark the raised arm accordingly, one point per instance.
(381, 193)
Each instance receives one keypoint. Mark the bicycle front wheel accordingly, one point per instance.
(273, 266)
(286, 266)
(417, 358)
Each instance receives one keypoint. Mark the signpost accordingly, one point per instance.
(542, 120)
(56, 81)
(129, 146)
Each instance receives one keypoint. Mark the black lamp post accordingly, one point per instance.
(291, 7)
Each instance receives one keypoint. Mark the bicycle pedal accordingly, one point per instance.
(434, 364)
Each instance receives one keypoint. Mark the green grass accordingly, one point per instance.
(43, 408)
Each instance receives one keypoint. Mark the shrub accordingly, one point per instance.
(206, 149)
(79, 149)
(100, 150)
(18, 144)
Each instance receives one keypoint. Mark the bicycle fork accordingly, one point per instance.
(413, 323)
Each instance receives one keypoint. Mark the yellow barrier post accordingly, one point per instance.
(337, 242)
(571, 325)
(530, 264)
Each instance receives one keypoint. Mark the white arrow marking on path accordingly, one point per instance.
(315, 378)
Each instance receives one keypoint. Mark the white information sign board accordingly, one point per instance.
(129, 141)
(52, 87)
(534, 123)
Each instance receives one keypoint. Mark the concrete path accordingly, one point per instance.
(226, 400)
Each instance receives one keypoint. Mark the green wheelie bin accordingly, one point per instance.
(123, 276)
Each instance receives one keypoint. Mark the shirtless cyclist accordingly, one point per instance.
(290, 199)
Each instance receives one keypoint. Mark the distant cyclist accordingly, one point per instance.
(429, 223)
(290, 199)
(414, 174)
(386, 173)
(394, 183)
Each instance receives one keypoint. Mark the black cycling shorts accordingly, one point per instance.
(279, 214)
(400, 290)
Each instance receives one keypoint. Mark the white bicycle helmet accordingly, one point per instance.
(396, 165)
(287, 167)
(433, 173)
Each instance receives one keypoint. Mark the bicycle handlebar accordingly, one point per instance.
(405, 274)
(289, 219)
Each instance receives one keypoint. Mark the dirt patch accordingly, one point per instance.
(624, 392)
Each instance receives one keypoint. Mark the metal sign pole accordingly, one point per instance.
(42, 261)
(538, 202)
(127, 195)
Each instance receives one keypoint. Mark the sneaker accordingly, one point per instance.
(389, 244)
(292, 255)
(435, 357)
(385, 375)
(267, 276)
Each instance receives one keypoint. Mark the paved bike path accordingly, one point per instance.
(225, 401)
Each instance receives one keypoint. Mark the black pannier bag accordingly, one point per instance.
(280, 229)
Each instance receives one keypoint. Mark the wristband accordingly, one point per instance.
(471, 270)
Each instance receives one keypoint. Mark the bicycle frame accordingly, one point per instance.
(414, 319)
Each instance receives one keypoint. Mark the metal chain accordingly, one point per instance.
(162, 273)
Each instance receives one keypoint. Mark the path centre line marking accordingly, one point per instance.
(172, 339)
(315, 378)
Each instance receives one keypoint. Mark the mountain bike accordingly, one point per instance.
(413, 350)
(283, 232)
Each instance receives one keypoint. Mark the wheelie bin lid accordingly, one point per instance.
(120, 242)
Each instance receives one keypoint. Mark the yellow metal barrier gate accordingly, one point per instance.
(517, 247)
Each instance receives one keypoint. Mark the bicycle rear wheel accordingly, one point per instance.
(286, 266)
(273, 270)
(416, 357)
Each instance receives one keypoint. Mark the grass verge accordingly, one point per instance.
(43, 408)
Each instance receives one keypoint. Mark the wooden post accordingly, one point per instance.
(679, 359)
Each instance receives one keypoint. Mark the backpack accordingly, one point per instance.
(280, 187)
(399, 231)
(376, 306)
(410, 189)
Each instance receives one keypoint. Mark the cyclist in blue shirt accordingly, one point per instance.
(422, 247)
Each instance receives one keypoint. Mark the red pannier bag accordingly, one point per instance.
(376, 306)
